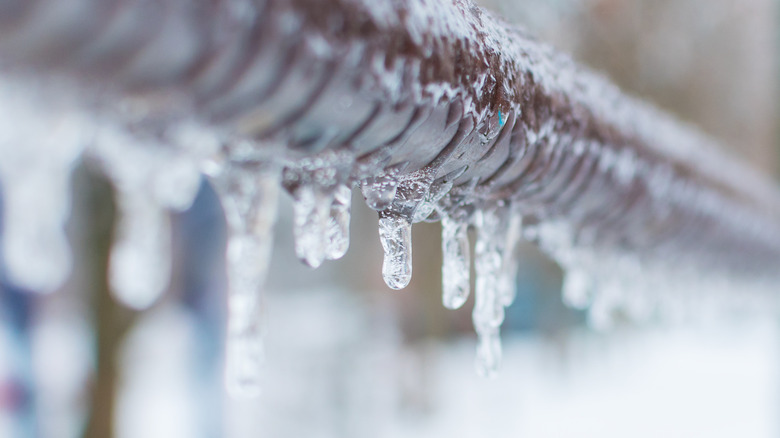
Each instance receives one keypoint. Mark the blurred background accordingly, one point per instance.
(347, 357)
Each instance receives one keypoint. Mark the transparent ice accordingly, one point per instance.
(488, 313)
(456, 262)
(631, 231)
(379, 191)
(395, 234)
(312, 223)
(249, 196)
(428, 203)
(338, 223)
(509, 260)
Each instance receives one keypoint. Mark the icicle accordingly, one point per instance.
(577, 288)
(395, 226)
(338, 228)
(249, 197)
(38, 148)
(321, 210)
(509, 264)
(35, 248)
(379, 191)
(312, 210)
(140, 264)
(456, 262)
(150, 175)
(488, 311)
(395, 233)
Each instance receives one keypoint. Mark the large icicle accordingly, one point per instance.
(488, 311)
(456, 262)
(395, 233)
(38, 147)
(249, 197)
(36, 206)
(150, 176)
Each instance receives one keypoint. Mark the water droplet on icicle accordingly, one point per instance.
(249, 197)
(395, 233)
(456, 262)
(312, 215)
(140, 265)
(338, 225)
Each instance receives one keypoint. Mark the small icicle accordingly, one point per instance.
(140, 265)
(395, 233)
(577, 288)
(456, 262)
(249, 198)
(488, 311)
(338, 228)
(509, 264)
(379, 191)
(312, 214)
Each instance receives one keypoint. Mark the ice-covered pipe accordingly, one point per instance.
(435, 108)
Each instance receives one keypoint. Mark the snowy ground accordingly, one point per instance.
(332, 371)
(656, 384)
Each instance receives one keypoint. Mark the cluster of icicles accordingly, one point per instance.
(42, 137)
(321, 216)
(154, 174)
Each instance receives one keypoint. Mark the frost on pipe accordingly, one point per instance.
(436, 110)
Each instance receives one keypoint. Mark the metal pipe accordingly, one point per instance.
(432, 86)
